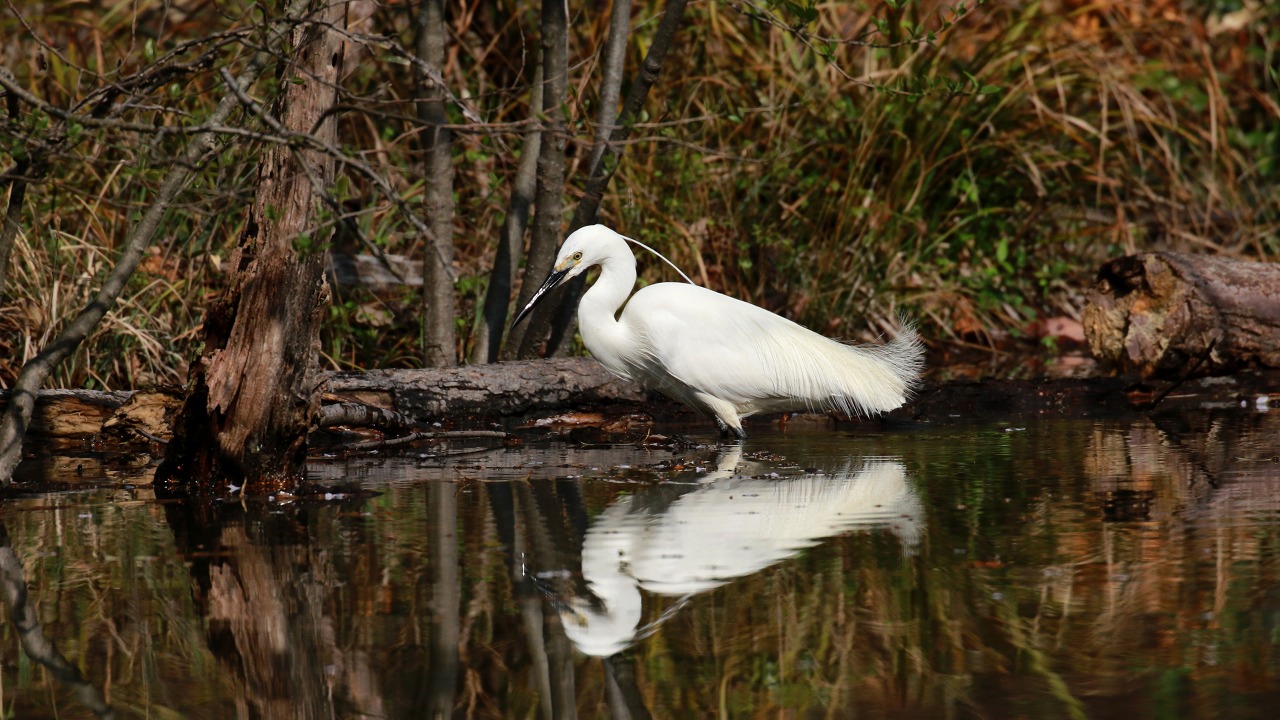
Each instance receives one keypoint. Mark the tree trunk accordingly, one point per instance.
(527, 340)
(615, 59)
(439, 338)
(1170, 315)
(251, 399)
(511, 244)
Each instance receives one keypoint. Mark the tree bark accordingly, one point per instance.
(511, 245)
(1175, 316)
(498, 389)
(491, 390)
(615, 58)
(439, 337)
(603, 167)
(251, 399)
(526, 340)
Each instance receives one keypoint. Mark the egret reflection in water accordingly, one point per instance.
(729, 526)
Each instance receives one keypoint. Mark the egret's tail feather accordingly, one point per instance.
(871, 379)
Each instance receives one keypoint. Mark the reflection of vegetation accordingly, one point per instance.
(1021, 598)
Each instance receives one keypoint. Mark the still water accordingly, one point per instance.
(1050, 569)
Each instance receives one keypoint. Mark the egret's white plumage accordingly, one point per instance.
(731, 526)
(727, 358)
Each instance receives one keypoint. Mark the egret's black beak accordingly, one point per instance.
(553, 280)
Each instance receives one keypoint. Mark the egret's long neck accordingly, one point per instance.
(598, 310)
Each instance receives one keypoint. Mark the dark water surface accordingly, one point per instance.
(1050, 569)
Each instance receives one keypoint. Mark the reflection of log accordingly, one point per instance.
(1174, 315)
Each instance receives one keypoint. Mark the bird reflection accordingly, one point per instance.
(729, 526)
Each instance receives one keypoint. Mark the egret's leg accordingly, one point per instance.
(727, 432)
(726, 415)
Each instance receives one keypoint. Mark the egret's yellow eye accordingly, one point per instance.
(576, 257)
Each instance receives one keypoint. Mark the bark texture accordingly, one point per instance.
(251, 395)
(439, 337)
(615, 58)
(503, 389)
(526, 340)
(495, 390)
(1170, 315)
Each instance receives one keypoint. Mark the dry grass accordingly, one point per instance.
(766, 169)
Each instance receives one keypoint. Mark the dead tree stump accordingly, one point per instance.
(250, 398)
(1174, 316)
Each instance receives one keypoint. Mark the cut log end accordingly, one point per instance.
(1175, 316)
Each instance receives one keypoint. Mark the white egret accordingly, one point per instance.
(724, 357)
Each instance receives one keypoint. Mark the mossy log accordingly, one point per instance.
(1174, 316)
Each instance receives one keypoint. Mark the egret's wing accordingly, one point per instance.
(697, 336)
(744, 354)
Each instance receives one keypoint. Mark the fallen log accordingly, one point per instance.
(503, 389)
(497, 390)
(555, 393)
(1175, 316)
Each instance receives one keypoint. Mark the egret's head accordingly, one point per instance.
(583, 248)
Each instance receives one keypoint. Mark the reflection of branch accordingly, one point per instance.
(13, 591)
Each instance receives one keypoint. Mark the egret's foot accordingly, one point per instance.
(726, 432)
